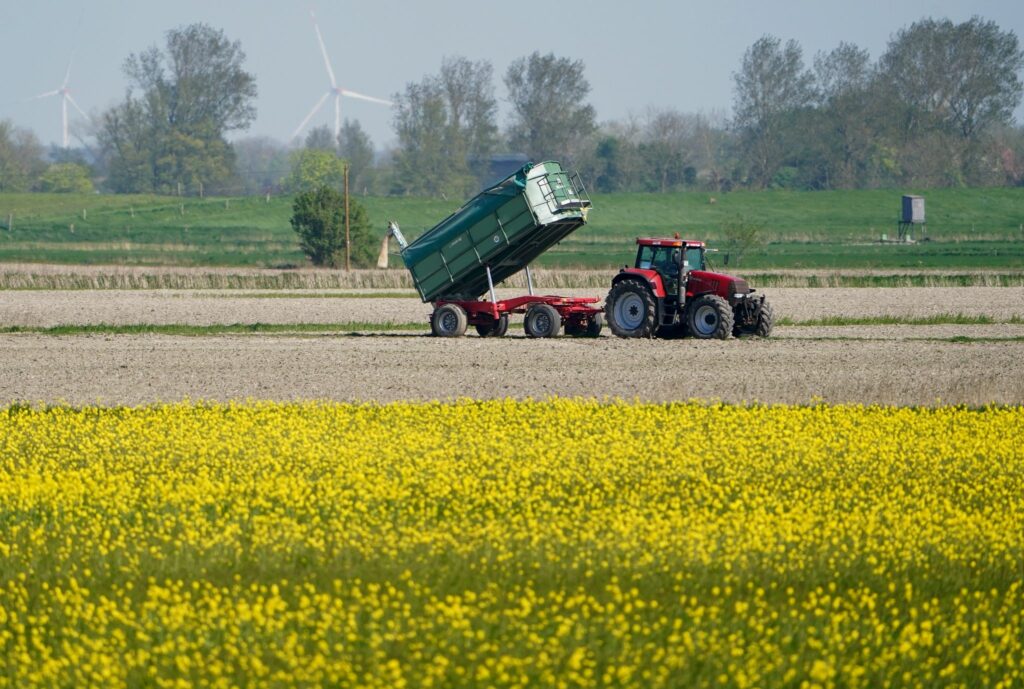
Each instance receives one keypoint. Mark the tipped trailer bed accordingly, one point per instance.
(492, 237)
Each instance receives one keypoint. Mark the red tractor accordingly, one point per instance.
(670, 293)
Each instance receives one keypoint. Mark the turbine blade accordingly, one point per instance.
(67, 74)
(44, 95)
(319, 104)
(323, 50)
(360, 96)
(337, 116)
(72, 101)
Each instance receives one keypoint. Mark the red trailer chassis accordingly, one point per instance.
(545, 316)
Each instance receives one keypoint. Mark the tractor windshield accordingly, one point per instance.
(666, 259)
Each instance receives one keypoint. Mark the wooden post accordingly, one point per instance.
(348, 248)
(201, 195)
(10, 222)
(181, 208)
(85, 215)
(131, 210)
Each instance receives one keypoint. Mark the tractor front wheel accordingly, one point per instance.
(630, 309)
(709, 317)
(449, 320)
(766, 321)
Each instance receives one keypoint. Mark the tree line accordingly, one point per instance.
(935, 109)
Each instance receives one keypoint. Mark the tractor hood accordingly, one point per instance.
(704, 281)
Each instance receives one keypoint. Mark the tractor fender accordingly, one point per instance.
(651, 277)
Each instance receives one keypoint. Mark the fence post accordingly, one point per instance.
(10, 222)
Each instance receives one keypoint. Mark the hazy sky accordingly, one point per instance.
(639, 53)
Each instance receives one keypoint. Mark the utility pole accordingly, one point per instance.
(348, 248)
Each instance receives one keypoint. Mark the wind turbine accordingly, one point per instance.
(65, 98)
(335, 91)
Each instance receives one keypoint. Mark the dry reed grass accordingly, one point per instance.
(14, 276)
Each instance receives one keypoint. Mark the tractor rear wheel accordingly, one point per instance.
(630, 309)
(766, 321)
(708, 317)
(449, 320)
(542, 320)
(496, 328)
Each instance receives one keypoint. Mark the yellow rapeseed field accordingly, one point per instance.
(511, 544)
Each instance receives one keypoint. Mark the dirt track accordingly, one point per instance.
(870, 364)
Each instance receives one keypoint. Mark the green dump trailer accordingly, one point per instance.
(492, 237)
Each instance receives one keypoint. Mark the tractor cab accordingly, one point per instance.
(672, 259)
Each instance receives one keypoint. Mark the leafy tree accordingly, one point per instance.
(949, 84)
(844, 131)
(66, 178)
(446, 129)
(318, 217)
(20, 158)
(355, 146)
(312, 168)
(321, 138)
(550, 116)
(740, 236)
(261, 163)
(182, 100)
(770, 86)
(668, 148)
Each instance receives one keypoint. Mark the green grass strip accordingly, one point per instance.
(937, 319)
(205, 330)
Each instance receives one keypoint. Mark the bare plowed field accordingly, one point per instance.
(206, 307)
(901, 364)
(137, 369)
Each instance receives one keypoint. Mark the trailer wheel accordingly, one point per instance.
(595, 325)
(709, 317)
(766, 321)
(542, 320)
(496, 328)
(449, 320)
(630, 309)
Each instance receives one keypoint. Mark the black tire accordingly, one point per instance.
(496, 328)
(591, 329)
(630, 309)
(709, 317)
(766, 321)
(542, 320)
(449, 320)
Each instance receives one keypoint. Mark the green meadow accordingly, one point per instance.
(967, 229)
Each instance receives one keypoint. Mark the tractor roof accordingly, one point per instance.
(666, 241)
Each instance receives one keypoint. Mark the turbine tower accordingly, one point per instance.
(334, 90)
(65, 98)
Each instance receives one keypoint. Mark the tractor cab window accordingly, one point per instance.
(694, 258)
(664, 259)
